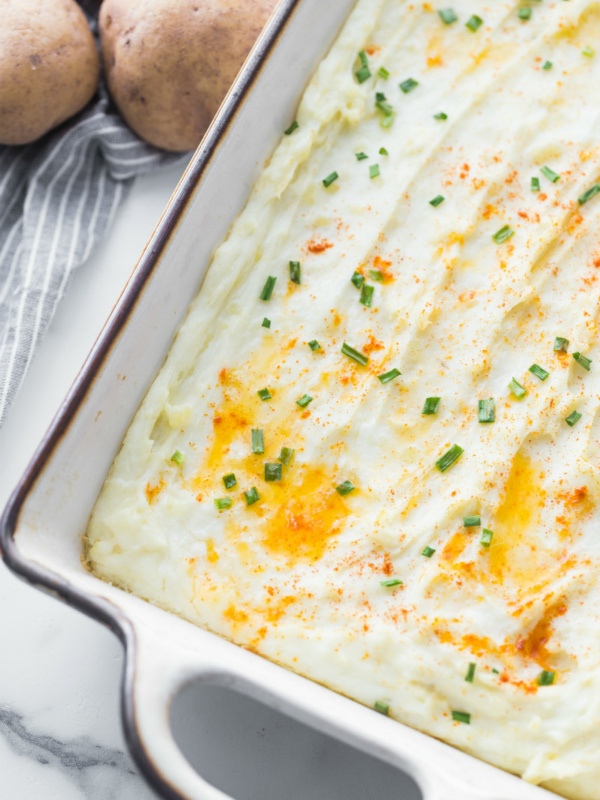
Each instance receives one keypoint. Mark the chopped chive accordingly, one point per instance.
(387, 120)
(361, 156)
(561, 345)
(223, 503)
(295, 272)
(428, 552)
(376, 275)
(266, 323)
(449, 457)
(258, 444)
(525, 13)
(461, 716)
(363, 73)
(314, 345)
(495, 671)
(573, 418)
(550, 174)
(292, 128)
(486, 537)
(178, 458)
(355, 355)
(473, 521)
(268, 288)
(503, 234)
(588, 51)
(386, 377)
(391, 583)
(546, 678)
(535, 184)
(333, 176)
(345, 488)
(383, 151)
(516, 388)
(383, 73)
(382, 708)
(304, 400)
(357, 279)
(447, 15)
(538, 371)
(440, 115)
(363, 58)
(486, 410)
(264, 394)
(547, 65)
(431, 405)
(229, 480)
(272, 472)
(474, 23)
(587, 195)
(285, 455)
(471, 672)
(382, 104)
(408, 85)
(437, 200)
(366, 295)
(251, 496)
(374, 171)
(582, 360)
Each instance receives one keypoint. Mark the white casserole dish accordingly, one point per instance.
(48, 513)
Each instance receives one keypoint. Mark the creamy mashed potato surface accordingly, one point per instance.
(459, 245)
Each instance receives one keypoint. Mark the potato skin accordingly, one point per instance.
(170, 63)
(49, 66)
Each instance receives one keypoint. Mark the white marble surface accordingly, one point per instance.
(60, 732)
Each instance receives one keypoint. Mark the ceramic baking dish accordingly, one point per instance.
(47, 515)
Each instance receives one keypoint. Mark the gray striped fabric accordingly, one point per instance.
(58, 198)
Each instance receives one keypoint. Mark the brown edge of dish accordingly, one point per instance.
(44, 579)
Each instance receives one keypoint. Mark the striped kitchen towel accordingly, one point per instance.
(58, 198)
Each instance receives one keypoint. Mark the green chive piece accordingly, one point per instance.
(408, 85)
(535, 184)
(364, 73)
(387, 120)
(264, 394)
(258, 444)
(486, 410)
(561, 345)
(295, 272)
(314, 345)
(474, 23)
(285, 455)
(229, 480)
(382, 104)
(272, 472)
(550, 174)
(366, 295)
(355, 355)
(363, 58)
(374, 171)
(591, 192)
(357, 279)
(469, 677)
(525, 13)
(431, 405)
(473, 521)
(266, 323)
(383, 151)
(377, 275)
(294, 126)
(449, 457)
(178, 458)
(495, 671)
(546, 678)
(333, 176)
(382, 708)
(582, 360)
(538, 371)
(573, 418)
(547, 65)
(251, 496)
(386, 377)
(486, 537)
(345, 488)
(223, 502)
(503, 234)
(391, 583)
(268, 288)
(361, 156)
(304, 400)
(437, 201)
(428, 552)
(440, 115)
(461, 716)
(588, 51)
(383, 73)
(516, 388)
(447, 15)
